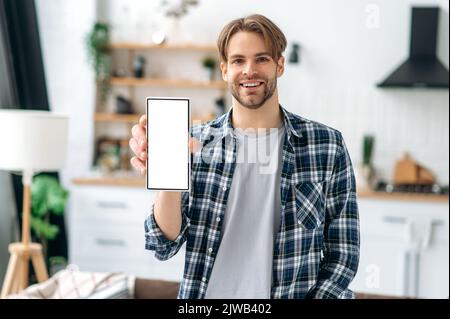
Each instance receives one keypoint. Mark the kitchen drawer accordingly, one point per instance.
(402, 221)
(110, 203)
(383, 222)
(108, 241)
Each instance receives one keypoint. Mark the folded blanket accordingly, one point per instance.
(73, 284)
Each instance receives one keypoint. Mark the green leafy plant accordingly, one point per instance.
(368, 142)
(97, 44)
(209, 63)
(177, 9)
(47, 197)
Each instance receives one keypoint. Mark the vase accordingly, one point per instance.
(365, 175)
(174, 31)
(209, 74)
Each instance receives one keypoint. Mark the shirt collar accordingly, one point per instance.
(292, 126)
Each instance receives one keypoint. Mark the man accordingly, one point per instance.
(287, 230)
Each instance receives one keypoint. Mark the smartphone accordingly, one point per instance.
(168, 156)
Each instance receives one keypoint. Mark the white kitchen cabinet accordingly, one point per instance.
(382, 268)
(106, 233)
(404, 248)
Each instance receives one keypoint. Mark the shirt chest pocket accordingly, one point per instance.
(310, 204)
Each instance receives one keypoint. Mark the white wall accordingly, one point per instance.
(345, 51)
(63, 26)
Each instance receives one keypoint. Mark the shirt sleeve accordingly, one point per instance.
(155, 239)
(341, 232)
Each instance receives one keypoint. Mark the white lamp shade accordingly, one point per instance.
(32, 140)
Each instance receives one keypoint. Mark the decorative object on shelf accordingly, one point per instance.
(119, 73)
(209, 64)
(409, 172)
(139, 66)
(123, 105)
(175, 10)
(47, 197)
(294, 55)
(365, 173)
(125, 156)
(158, 37)
(39, 144)
(97, 43)
(107, 157)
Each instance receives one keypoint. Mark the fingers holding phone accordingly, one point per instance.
(138, 144)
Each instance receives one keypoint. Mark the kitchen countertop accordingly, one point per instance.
(362, 193)
(416, 197)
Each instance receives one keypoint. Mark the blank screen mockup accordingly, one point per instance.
(168, 166)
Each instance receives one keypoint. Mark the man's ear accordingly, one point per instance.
(223, 68)
(280, 66)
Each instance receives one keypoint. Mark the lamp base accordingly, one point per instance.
(16, 278)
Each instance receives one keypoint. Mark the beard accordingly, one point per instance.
(254, 100)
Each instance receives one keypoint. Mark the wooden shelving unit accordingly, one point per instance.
(144, 46)
(105, 120)
(167, 82)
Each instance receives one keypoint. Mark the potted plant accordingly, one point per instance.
(47, 197)
(174, 10)
(209, 64)
(97, 45)
(367, 168)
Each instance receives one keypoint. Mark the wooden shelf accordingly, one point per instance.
(111, 181)
(134, 118)
(167, 82)
(144, 46)
(112, 117)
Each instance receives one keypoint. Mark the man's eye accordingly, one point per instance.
(263, 59)
(237, 61)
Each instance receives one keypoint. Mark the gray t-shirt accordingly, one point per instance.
(243, 265)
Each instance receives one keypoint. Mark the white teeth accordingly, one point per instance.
(250, 84)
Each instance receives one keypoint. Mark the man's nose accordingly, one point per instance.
(249, 69)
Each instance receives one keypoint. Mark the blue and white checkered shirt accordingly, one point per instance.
(316, 251)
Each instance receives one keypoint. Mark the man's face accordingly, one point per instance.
(250, 71)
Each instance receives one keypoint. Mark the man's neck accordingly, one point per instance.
(268, 115)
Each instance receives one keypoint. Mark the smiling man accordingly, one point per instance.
(286, 227)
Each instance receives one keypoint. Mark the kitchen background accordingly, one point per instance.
(347, 47)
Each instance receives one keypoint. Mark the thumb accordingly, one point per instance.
(194, 145)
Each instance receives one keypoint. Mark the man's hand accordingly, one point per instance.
(138, 143)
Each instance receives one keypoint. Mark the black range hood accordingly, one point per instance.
(422, 68)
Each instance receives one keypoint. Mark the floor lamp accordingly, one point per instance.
(30, 142)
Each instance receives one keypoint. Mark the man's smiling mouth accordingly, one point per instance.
(250, 85)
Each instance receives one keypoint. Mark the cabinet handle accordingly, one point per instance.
(110, 242)
(406, 274)
(395, 220)
(113, 205)
(437, 222)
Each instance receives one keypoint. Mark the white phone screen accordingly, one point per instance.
(168, 156)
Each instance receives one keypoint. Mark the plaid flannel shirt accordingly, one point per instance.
(316, 251)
